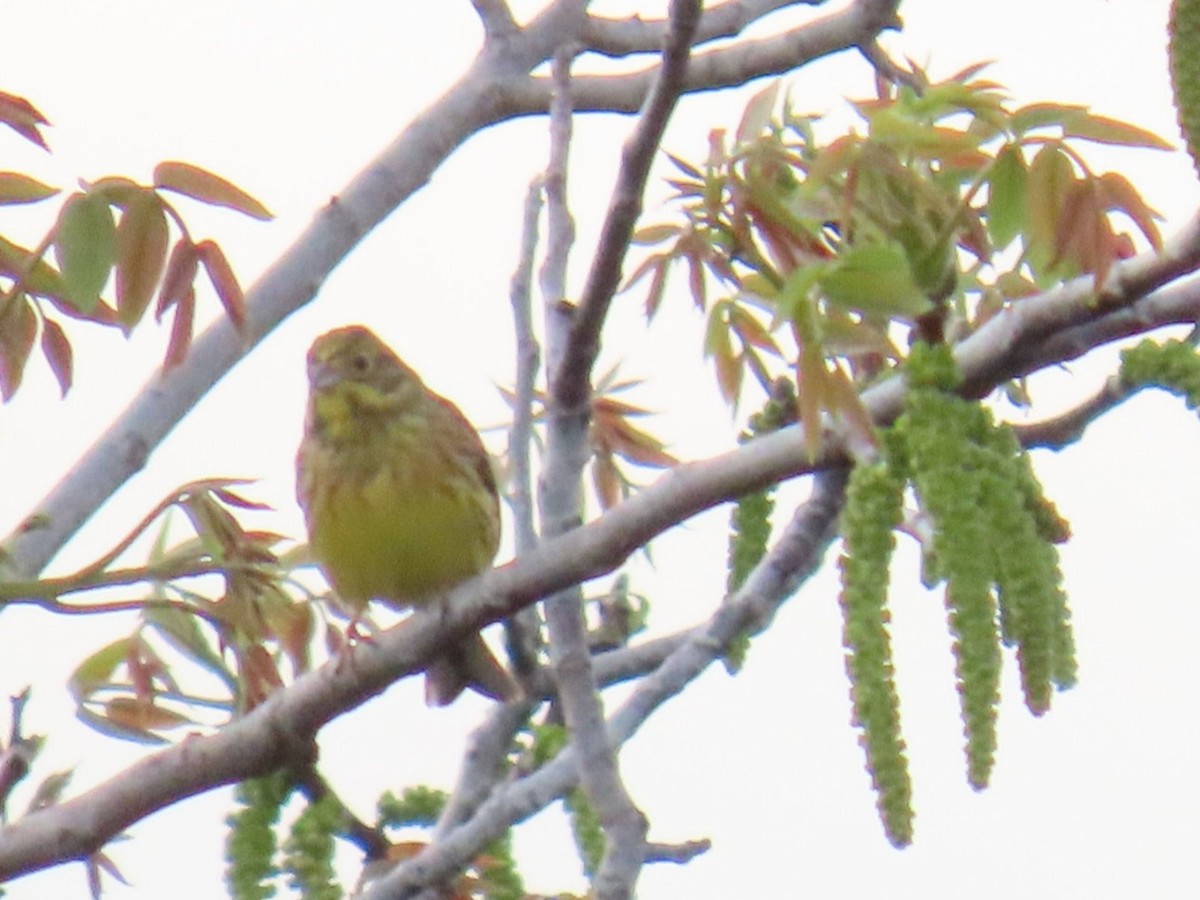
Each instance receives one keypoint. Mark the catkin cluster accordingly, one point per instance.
(988, 535)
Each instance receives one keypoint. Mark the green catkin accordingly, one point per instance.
(750, 520)
(419, 805)
(308, 851)
(873, 511)
(1172, 365)
(941, 432)
(993, 545)
(250, 845)
(585, 827)
(501, 880)
(1184, 52)
(549, 740)
(1028, 573)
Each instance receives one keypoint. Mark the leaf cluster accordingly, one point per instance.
(944, 205)
(110, 230)
(217, 599)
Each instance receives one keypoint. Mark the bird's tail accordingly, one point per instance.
(468, 664)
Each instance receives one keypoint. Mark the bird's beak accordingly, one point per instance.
(321, 376)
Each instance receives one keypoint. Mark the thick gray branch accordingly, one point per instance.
(855, 26)
(633, 34)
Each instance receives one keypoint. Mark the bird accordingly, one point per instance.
(399, 496)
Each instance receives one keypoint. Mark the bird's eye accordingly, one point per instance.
(360, 364)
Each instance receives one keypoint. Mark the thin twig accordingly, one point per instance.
(561, 500)
(316, 788)
(569, 384)
(522, 632)
(497, 19)
(1069, 427)
(17, 758)
(484, 763)
(520, 435)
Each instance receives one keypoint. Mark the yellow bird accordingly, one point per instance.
(398, 494)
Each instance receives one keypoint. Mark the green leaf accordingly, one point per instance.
(85, 245)
(1006, 209)
(1041, 115)
(98, 668)
(43, 279)
(793, 300)
(874, 278)
(1051, 176)
(183, 632)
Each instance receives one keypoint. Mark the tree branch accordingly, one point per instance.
(569, 386)
(633, 34)
(522, 632)
(855, 26)
(497, 19)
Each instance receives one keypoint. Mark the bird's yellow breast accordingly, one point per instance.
(400, 536)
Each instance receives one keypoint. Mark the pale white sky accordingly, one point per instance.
(1098, 799)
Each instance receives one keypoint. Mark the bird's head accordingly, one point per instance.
(351, 372)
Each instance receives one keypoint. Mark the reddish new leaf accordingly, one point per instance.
(758, 113)
(116, 727)
(1123, 196)
(118, 190)
(220, 273)
(141, 255)
(181, 330)
(1104, 130)
(718, 345)
(18, 329)
(200, 184)
(1085, 237)
(17, 188)
(606, 480)
(637, 446)
(751, 330)
(57, 350)
(140, 716)
(181, 272)
(22, 117)
(811, 379)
